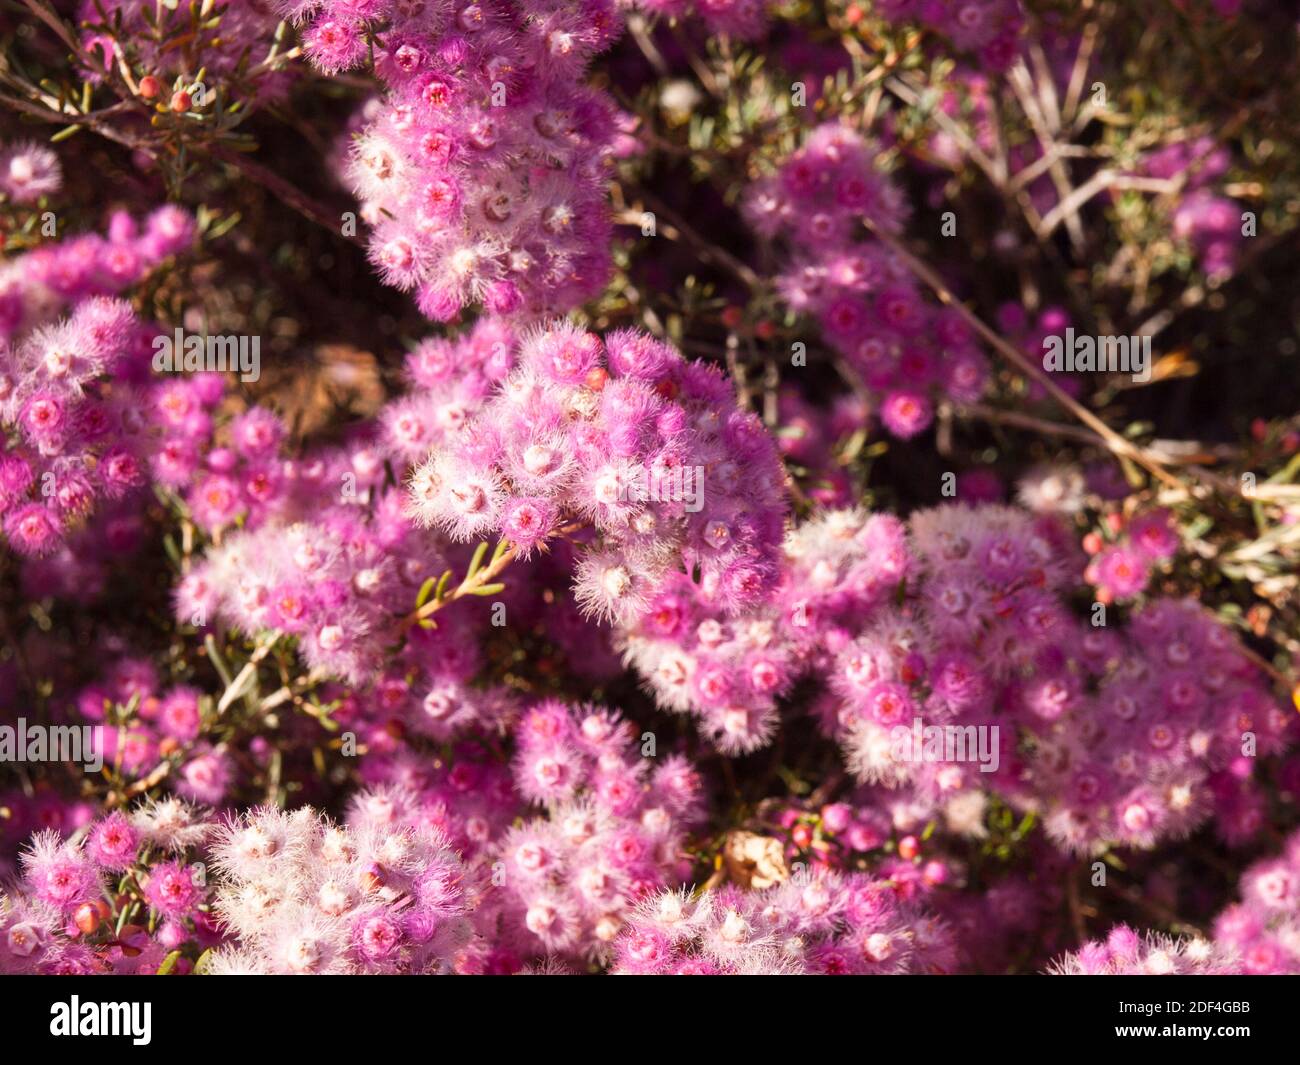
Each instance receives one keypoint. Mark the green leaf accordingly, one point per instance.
(218, 663)
(488, 589)
(220, 229)
(442, 584)
(477, 560)
(425, 589)
(173, 552)
(169, 963)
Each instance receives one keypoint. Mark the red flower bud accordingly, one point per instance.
(87, 918)
(666, 387)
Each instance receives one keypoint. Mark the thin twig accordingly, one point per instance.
(708, 250)
(286, 192)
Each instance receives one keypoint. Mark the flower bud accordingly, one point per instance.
(87, 918)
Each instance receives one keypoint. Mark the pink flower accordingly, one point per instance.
(905, 414)
(28, 172)
(32, 530)
(112, 842)
(172, 890)
(1120, 572)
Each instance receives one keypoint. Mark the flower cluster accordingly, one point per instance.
(548, 606)
(1263, 930)
(820, 923)
(1125, 952)
(1125, 733)
(728, 672)
(613, 832)
(79, 437)
(236, 473)
(629, 439)
(482, 170)
(982, 602)
(468, 795)
(731, 671)
(61, 917)
(980, 656)
(869, 307)
(36, 286)
(338, 584)
(306, 896)
(75, 391)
